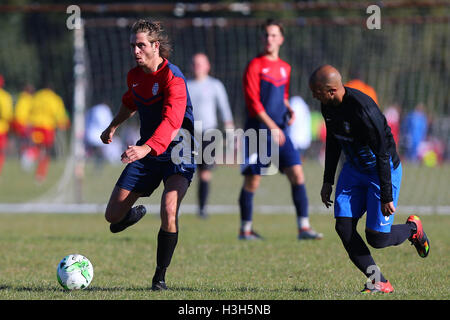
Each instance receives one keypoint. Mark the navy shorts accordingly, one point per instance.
(145, 175)
(358, 192)
(288, 156)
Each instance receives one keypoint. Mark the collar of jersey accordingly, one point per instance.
(164, 64)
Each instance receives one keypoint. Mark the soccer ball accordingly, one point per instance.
(75, 272)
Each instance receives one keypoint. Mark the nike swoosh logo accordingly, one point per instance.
(135, 84)
(384, 224)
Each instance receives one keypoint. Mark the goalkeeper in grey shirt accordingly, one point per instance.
(207, 95)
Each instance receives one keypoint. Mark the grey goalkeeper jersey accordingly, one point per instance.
(207, 96)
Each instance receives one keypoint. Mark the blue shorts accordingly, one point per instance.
(145, 175)
(358, 192)
(288, 156)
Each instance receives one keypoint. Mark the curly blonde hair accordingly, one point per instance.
(155, 32)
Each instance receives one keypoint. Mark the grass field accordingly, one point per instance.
(421, 186)
(209, 262)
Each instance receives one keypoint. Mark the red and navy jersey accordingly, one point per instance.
(266, 86)
(163, 103)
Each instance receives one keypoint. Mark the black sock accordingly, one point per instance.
(399, 233)
(356, 248)
(160, 274)
(203, 190)
(167, 242)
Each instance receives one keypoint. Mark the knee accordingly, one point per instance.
(295, 174)
(341, 228)
(251, 183)
(345, 228)
(169, 218)
(377, 240)
(205, 175)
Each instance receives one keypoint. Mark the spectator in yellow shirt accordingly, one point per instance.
(45, 116)
(21, 114)
(6, 116)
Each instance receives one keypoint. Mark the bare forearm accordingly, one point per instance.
(264, 118)
(122, 115)
(277, 134)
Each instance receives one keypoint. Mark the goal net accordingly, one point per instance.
(406, 61)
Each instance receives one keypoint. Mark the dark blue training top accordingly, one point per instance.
(360, 130)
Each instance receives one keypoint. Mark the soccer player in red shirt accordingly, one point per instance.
(266, 89)
(157, 91)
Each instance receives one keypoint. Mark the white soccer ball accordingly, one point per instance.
(75, 272)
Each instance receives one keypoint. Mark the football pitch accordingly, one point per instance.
(210, 263)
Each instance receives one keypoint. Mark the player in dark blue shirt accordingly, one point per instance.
(370, 178)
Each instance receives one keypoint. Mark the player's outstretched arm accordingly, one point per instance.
(123, 114)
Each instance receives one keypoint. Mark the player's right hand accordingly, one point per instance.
(387, 208)
(107, 135)
(278, 136)
(325, 194)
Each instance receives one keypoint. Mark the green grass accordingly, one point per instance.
(209, 261)
(420, 185)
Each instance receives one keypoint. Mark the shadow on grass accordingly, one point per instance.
(239, 289)
(83, 238)
(148, 289)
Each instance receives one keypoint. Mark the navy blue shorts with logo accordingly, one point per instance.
(145, 175)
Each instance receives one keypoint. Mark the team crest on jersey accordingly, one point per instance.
(155, 88)
(283, 72)
(346, 127)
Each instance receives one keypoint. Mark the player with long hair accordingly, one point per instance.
(157, 91)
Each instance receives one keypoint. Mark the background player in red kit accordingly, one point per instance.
(157, 90)
(266, 89)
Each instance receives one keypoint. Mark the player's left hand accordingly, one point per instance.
(387, 209)
(134, 153)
